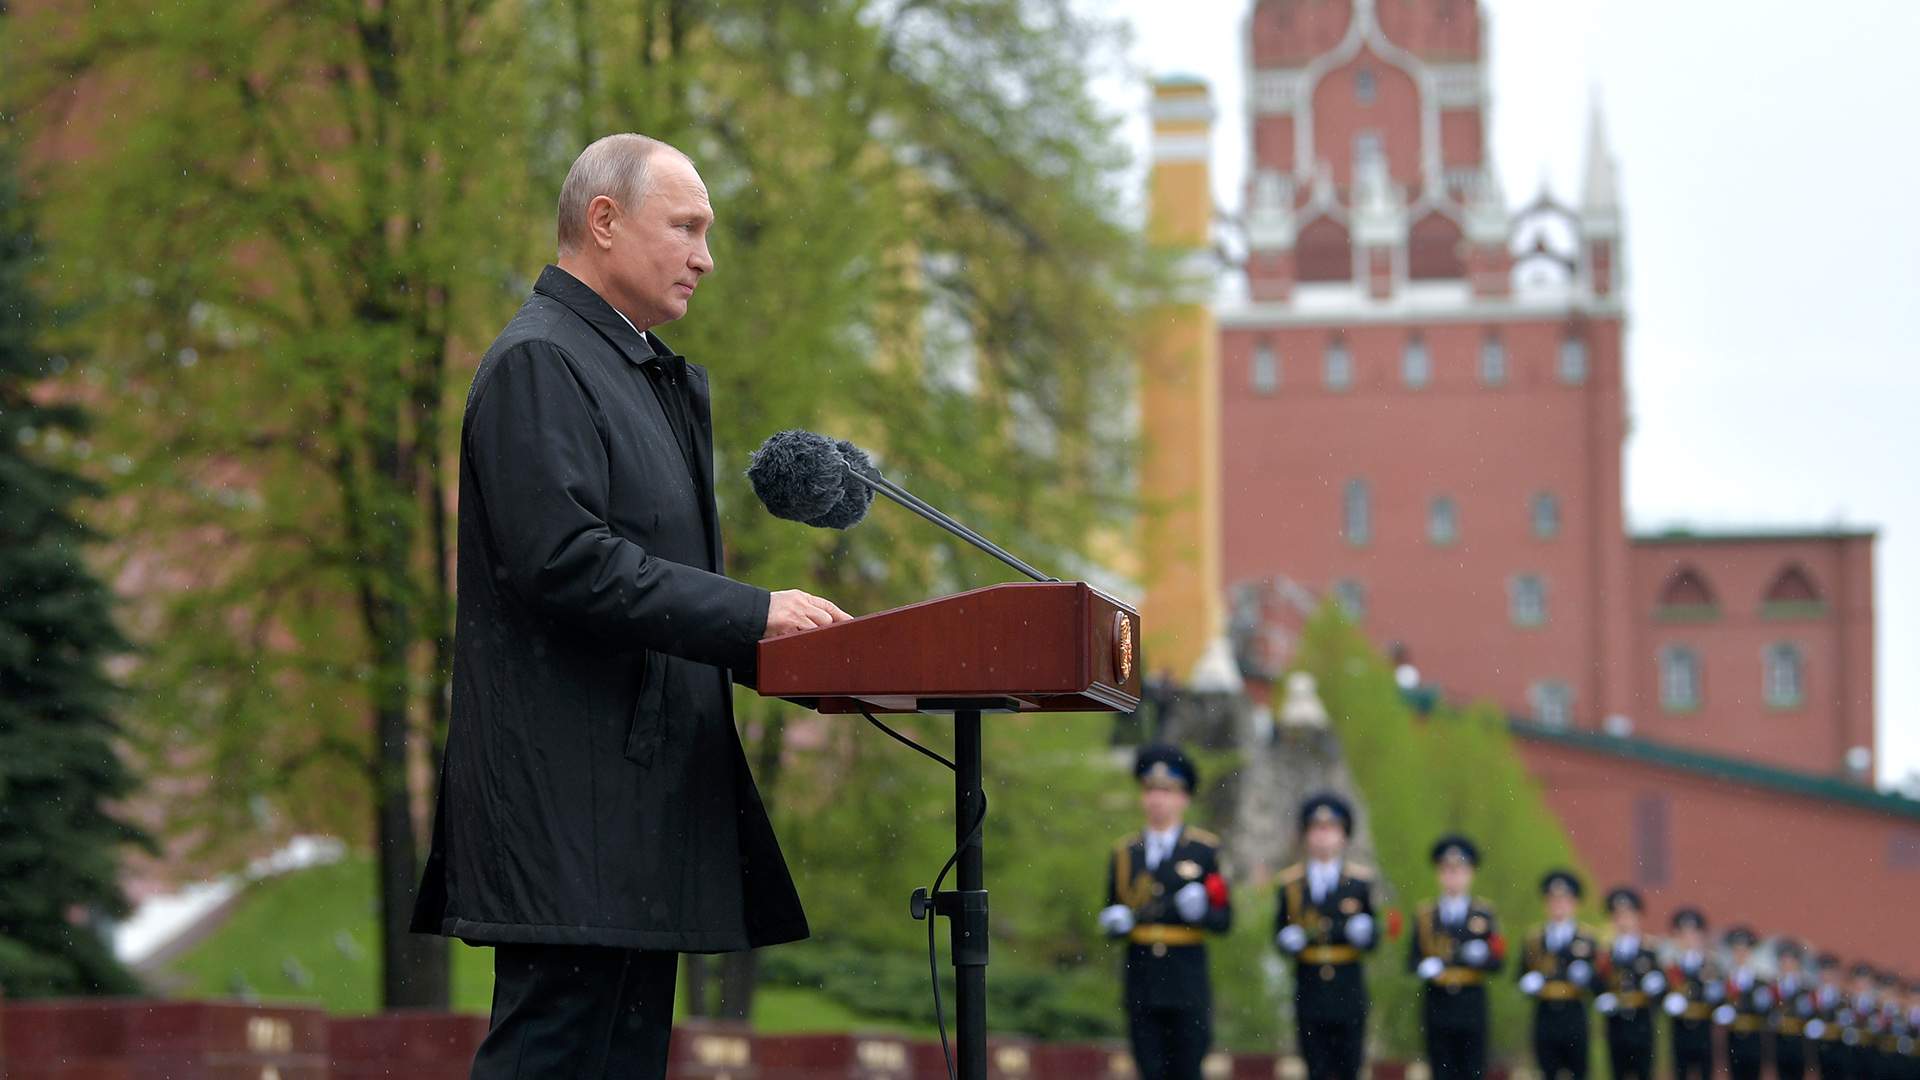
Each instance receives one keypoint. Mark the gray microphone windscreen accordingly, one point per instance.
(799, 476)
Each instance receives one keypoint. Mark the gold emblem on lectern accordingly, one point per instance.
(1123, 645)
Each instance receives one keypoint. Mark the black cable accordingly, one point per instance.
(903, 739)
(933, 953)
(933, 961)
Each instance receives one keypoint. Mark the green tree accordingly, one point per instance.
(299, 250)
(282, 250)
(60, 845)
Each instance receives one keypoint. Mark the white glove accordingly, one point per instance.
(1360, 929)
(1579, 972)
(1675, 1004)
(1531, 982)
(1606, 1003)
(1117, 919)
(1191, 901)
(1291, 939)
(1652, 983)
(1816, 1028)
(1714, 992)
(1724, 1015)
(1430, 967)
(1763, 999)
(1474, 952)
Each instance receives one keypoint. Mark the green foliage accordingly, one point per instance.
(59, 770)
(292, 258)
(1457, 771)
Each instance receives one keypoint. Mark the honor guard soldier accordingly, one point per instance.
(1694, 989)
(1744, 1013)
(1325, 923)
(1630, 983)
(1165, 892)
(1824, 1031)
(1556, 970)
(1793, 1010)
(1456, 945)
(1891, 1037)
(1856, 1022)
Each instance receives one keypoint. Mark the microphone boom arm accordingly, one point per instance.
(908, 499)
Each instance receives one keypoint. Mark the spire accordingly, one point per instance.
(1600, 199)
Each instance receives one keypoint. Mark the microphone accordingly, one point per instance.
(830, 483)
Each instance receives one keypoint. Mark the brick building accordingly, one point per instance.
(1421, 412)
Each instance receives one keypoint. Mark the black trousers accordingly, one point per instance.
(1832, 1056)
(1630, 1047)
(1790, 1057)
(1692, 1050)
(1746, 1054)
(1560, 1040)
(1169, 1044)
(576, 1012)
(1333, 1048)
(1457, 1052)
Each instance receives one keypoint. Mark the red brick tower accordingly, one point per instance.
(1422, 393)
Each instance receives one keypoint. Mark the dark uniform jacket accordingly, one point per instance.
(1457, 997)
(1751, 1000)
(594, 791)
(1570, 974)
(1329, 980)
(1793, 1005)
(1166, 964)
(1626, 979)
(1701, 987)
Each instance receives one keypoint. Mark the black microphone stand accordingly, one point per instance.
(908, 499)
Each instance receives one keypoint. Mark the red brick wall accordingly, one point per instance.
(1733, 716)
(1839, 876)
(1287, 457)
(1338, 115)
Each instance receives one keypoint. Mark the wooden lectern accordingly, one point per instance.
(1021, 647)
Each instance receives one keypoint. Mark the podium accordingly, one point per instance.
(1020, 647)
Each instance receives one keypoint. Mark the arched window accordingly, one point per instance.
(1416, 364)
(1323, 252)
(1791, 594)
(1527, 600)
(1357, 513)
(1443, 520)
(1433, 250)
(1573, 361)
(1544, 513)
(1493, 360)
(1552, 703)
(1679, 679)
(1785, 676)
(1266, 368)
(1686, 597)
(1339, 365)
(1352, 598)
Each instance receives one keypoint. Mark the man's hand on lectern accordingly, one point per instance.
(791, 611)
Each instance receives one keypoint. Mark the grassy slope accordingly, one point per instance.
(322, 921)
(1455, 771)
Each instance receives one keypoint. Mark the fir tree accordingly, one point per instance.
(59, 845)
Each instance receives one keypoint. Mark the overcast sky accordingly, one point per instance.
(1769, 165)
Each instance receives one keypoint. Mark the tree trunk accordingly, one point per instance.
(696, 983)
(413, 967)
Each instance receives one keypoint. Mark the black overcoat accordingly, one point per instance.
(594, 791)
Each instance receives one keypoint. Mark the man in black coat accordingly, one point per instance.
(596, 816)
(1324, 921)
(1456, 944)
(1165, 892)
